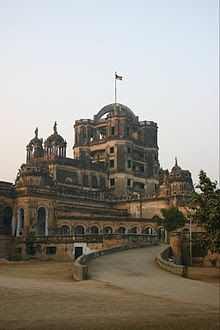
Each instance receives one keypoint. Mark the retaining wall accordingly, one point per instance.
(170, 267)
(80, 267)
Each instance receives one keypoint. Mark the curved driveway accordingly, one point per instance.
(135, 270)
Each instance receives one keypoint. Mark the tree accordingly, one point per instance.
(172, 219)
(206, 212)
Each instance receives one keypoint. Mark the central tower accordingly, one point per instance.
(126, 145)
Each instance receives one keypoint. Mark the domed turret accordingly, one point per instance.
(176, 167)
(55, 144)
(180, 181)
(35, 148)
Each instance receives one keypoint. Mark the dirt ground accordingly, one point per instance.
(44, 296)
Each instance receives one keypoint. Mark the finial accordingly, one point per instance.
(176, 162)
(36, 132)
(55, 127)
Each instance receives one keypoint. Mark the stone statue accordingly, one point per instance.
(36, 132)
(55, 127)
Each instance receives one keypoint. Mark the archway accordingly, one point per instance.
(79, 230)
(65, 230)
(94, 230)
(135, 230)
(108, 230)
(148, 230)
(122, 230)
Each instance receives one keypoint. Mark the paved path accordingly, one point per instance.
(135, 270)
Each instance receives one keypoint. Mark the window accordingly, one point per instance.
(112, 182)
(148, 231)
(111, 163)
(129, 164)
(129, 150)
(85, 180)
(142, 168)
(129, 182)
(65, 230)
(142, 185)
(112, 150)
(128, 131)
(113, 131)
(41, 221)
(7, 221)
(51, 250)
(79, 230)
(94, 230)
(94, 182)
(31, 250)
(108, 230)
(122, 230)
(135, 230)
(133, 167)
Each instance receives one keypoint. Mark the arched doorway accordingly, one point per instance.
(42, 221)
(7, 221)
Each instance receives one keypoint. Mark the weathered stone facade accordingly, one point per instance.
(113, 185)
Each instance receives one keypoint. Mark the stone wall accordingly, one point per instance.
(161, 260)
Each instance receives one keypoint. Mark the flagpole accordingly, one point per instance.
(115, 88)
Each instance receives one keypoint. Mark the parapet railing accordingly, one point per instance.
(90, 238)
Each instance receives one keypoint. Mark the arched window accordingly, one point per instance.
(79, 230)
(102, 182)
(20, 222)
(122, 230)
(7, 221)
(41, 221)
(94, 182)
(108, 230)
(94, 230)
(85, 180)
(135, 230)
(65, 230)
(148, 231)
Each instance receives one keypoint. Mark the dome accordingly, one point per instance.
(115, 107)
(35, 141)
(176, 167)
(55, 138)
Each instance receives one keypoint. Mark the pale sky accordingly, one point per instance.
(58, 58)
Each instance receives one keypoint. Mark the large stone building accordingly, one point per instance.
(112, 185)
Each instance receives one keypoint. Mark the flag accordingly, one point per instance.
(118, 77)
